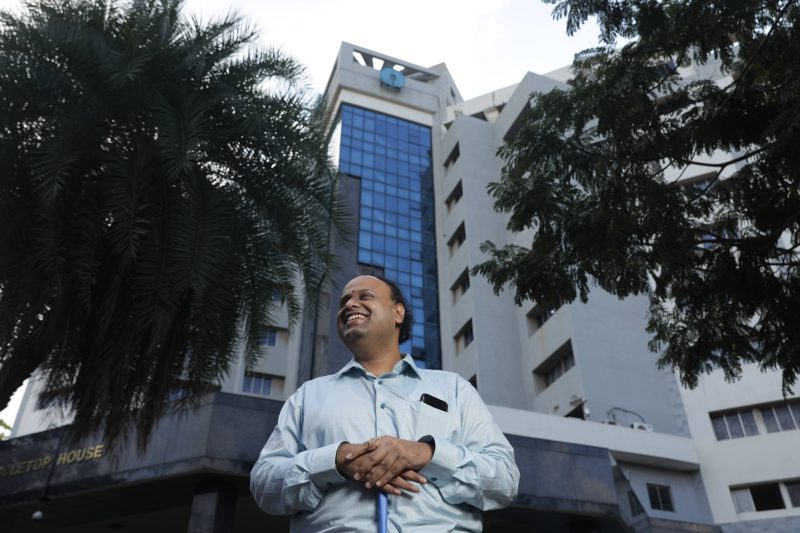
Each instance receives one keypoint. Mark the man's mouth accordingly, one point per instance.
(354, 316)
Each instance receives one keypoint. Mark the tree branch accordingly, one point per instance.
(726, 163)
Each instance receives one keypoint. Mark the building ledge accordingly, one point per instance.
(625, 444)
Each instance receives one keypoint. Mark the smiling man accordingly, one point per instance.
(380, 423)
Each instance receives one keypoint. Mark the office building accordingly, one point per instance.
(605, 441)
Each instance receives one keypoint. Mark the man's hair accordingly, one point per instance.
(397, 296)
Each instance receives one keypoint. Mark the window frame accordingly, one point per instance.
(663, 497)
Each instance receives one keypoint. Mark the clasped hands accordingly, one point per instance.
(386, 462)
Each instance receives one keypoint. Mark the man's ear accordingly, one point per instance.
(399, 313)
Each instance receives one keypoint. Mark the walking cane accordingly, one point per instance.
(383, 511)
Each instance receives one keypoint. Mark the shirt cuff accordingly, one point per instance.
(443, 464)
(322, 466)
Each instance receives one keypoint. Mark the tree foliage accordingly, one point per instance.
(161, 179)
(703, 89)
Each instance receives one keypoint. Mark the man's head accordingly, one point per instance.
(373, 313)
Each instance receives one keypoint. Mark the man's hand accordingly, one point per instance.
(388, 458)
(362, 462)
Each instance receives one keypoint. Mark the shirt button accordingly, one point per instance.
(383, 406)
(433, 479)
(380, 382)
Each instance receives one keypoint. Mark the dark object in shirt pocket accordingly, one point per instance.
(434, 402)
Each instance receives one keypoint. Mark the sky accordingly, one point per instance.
(486, 44)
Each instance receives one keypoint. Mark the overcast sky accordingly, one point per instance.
(486, 44)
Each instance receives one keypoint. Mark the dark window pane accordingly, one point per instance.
(767, 497)
(734, 426)
(660, 497)
(666, 499)
(794, 493)
(749, 423)
(652, 494)
(796, 411)
(769, 420)
(784, 417)
(720, 429)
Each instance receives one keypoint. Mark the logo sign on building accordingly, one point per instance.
(392, 79)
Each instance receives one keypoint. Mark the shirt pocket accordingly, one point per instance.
(430, 421)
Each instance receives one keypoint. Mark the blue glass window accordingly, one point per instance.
(392, 158)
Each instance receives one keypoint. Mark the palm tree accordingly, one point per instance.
(161, 179)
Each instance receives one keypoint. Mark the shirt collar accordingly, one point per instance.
(406, 364)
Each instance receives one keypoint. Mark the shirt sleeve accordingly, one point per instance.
(287, 478)
(477, 465)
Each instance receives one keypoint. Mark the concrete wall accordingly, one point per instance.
(688, 494)
(744, 461)
(494, 356)
(610, 342)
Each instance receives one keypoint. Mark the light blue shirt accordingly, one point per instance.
(472, 468)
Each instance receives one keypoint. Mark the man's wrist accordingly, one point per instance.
(339, 459)
(430, 441)
(428, 450)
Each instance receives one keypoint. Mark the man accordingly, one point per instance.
(341, 438)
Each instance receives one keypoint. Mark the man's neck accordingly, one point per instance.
(378, 363)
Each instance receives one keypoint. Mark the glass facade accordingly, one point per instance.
(396, 233)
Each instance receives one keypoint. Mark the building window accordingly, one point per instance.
(458, 238)
(541, 314)
(636, 506)
(460, 286)
(780, 418)
(454, 196)
(464, 337)
(391, 158)
(793, 488)
(268, 337)
(784, 416)
(660, 497)
(734, 425)
(763, 497)
(455, 153)
(557, 364)
(257, 383)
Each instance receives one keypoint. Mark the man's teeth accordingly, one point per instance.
(351, 317)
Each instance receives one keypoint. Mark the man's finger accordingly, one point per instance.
(411, 475)
(382, 472)
(402, 484)
(373, 443)
(392, 472)
(356, 450)
(367, 462)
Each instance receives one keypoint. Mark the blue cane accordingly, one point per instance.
(383, 511)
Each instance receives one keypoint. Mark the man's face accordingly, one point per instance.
(366, 308)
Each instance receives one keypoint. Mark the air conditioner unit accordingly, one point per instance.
(642, 426)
